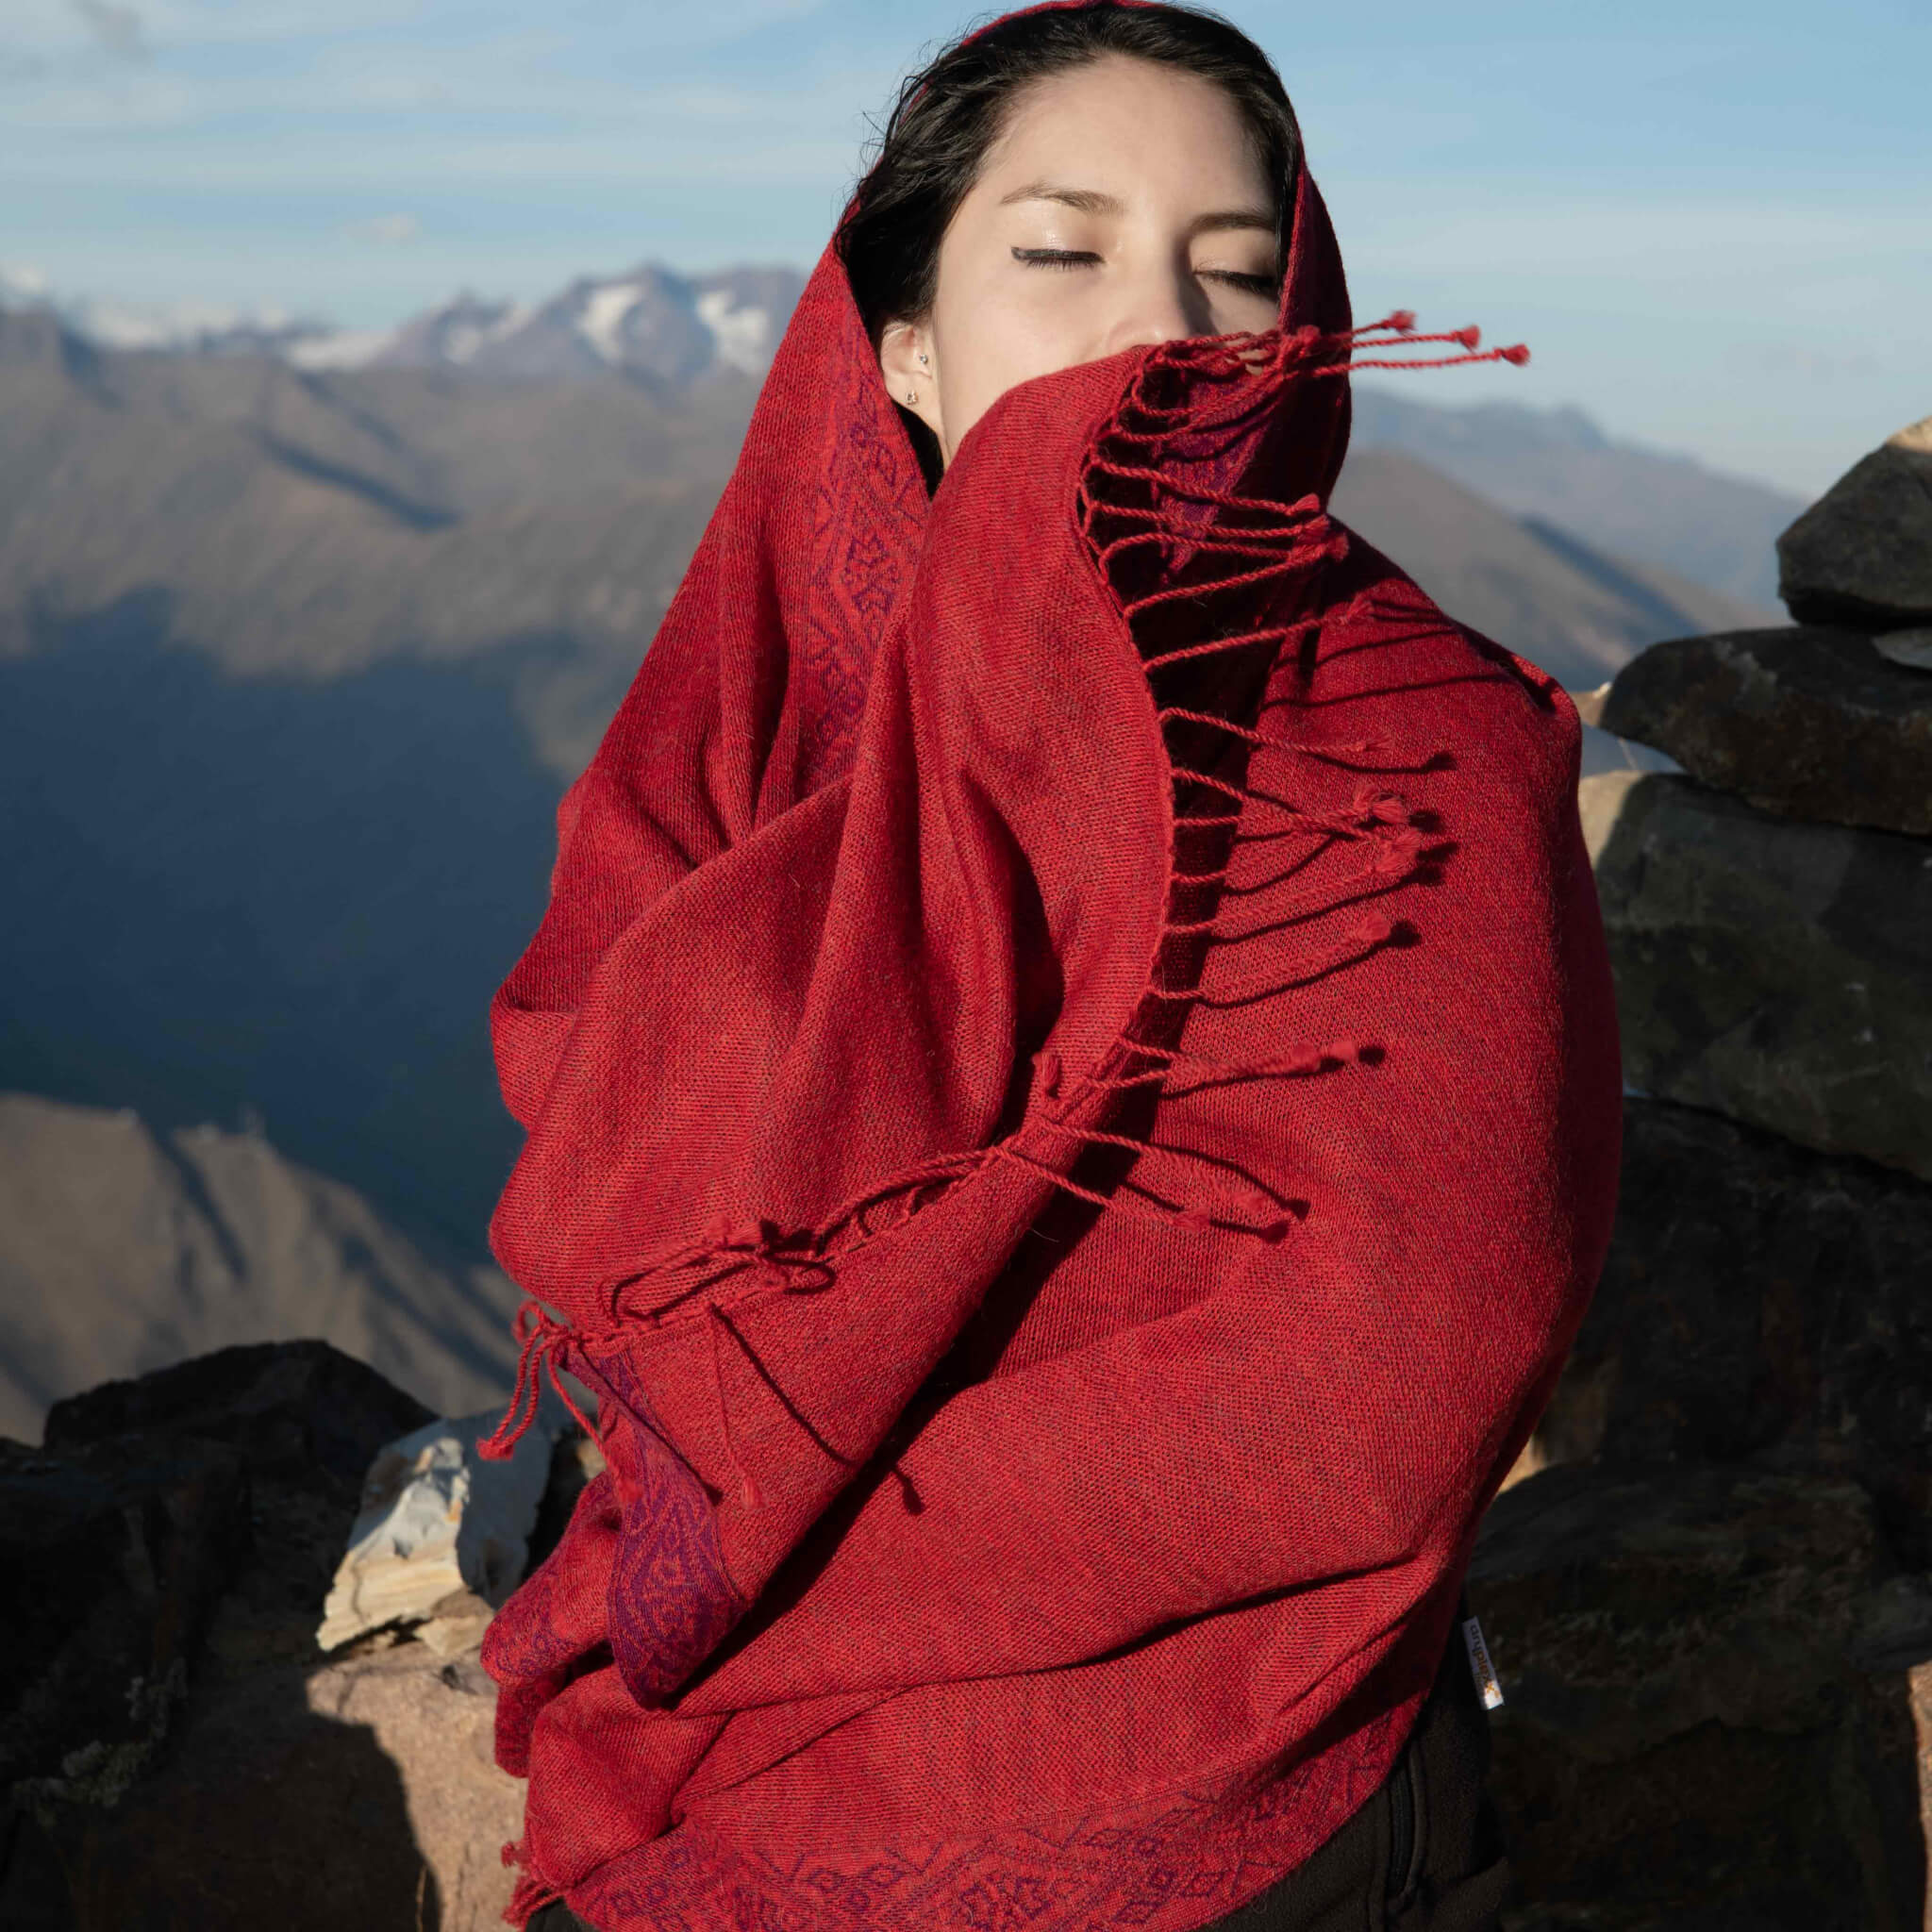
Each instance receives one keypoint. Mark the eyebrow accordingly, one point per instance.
(1092, 201)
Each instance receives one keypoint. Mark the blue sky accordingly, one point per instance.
(1712, 222)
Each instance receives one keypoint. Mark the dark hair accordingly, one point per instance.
(951, 112)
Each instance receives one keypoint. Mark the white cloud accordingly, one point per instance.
(388, 231)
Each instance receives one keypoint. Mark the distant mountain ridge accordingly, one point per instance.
(671, 330)
(674, 331)
(1580, 612)
(649, 322)
(1557, 466)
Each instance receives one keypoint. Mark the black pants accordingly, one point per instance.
(1423, 1855)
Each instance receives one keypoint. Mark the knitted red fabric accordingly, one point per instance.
(1073, 1105)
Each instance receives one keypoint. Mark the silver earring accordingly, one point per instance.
(911, 395)
(921, 359)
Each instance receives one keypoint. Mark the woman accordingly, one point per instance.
(1072, 1089)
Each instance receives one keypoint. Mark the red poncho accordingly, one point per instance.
(1073, 1106)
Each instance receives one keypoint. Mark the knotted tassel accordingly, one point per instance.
(543, 1341)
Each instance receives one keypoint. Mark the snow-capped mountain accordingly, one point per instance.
(668, 328)
(200, 328)
(446, 338)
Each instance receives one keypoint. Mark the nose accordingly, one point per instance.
(1157, 307)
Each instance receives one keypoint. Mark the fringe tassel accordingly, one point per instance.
(1273, 540)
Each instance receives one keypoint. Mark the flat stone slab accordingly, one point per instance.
(1912, 648)
(1862, 553)
(1807, 720)
(1767, 968)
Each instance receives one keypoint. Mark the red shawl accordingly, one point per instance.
(1072, 1106)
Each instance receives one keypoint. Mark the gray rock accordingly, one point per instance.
(1759, 1302)
(1862, 553)
(1809, 721)
(442, 1533)
(111, 1560)
(296, 1410)
(1687, 1737)
(1768, 969)
(166, 1757)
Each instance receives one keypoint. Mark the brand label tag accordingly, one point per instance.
(1480, 1668)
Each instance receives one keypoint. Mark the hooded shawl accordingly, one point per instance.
(1072, 1094)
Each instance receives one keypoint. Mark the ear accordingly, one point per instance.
(910, 366)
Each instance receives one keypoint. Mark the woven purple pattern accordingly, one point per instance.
(869, 508)
(670, 1599)
(553, 1626)
(1170, 1866)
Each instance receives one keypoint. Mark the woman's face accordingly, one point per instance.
(1121, 205)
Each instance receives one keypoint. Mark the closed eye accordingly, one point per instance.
(1053, 258)
(1255, 285)
(1075, 257)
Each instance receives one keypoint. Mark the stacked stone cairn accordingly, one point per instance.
(1707, 1586)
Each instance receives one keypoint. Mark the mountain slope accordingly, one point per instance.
(1557, 465)
(313, 525)
(123, 1250)
(1579, 613)
(287, 894)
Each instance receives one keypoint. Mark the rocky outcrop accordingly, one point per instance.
(176, 1752)
(111, 1560)
(1772, 970)
(1862, 553)
(1707, 1585)
(1708, 1595)
(1693, 1733)
(1809, 723)
(119, 1538)
(1771, 927)
(298, 1411)
(1760, 1303)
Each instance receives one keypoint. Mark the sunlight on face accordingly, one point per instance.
(1122, 205)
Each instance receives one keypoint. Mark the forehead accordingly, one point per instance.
(1155, 132)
